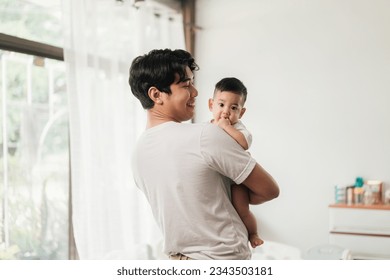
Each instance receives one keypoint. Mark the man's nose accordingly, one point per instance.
(194, 91)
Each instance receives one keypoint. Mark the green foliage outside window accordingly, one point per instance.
(34, 170)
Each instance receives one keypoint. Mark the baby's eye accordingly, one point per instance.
(220, 105)
(234, 108)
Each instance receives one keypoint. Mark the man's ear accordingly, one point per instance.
(155, 95)
(242, 112)
(211, 102)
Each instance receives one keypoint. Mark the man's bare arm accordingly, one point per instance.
(262, 187)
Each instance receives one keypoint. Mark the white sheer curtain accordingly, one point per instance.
(110, 216)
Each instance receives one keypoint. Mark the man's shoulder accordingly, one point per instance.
(194, 127)
(203, 129)
(240, 125)
(184, 130)
(211, 129)
(212, 133)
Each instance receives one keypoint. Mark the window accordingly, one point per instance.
(34, 155)
(34, 20)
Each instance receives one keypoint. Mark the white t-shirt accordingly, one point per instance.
(241, 127)
(179, 168)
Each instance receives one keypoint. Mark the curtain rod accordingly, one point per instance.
(16, 44)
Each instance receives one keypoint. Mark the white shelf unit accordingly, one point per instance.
(364, 230)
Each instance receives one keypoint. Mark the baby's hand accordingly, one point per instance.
(223, 123)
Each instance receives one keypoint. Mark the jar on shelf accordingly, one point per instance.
(339, 194)
(387, 197)
(376, 189)
(368, 197)
(358, 195)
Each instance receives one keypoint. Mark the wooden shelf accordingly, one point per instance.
(361, 206)
(362, 229)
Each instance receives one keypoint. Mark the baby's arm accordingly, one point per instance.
(233, 132)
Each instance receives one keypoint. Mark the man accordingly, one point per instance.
(182, 167)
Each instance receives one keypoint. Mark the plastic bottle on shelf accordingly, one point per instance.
(358, 191)
(340, 196)
(368, 196)
(387, 196)
(350, 195)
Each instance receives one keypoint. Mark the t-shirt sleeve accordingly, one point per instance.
(248, 136)
(223, 154)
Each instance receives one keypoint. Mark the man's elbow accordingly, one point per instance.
(272, 193)
(275, 192)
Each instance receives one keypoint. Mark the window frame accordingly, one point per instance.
(20, 45)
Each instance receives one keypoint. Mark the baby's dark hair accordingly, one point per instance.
(233, 85)
(158, 69)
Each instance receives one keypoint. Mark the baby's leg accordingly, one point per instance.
(240, 200)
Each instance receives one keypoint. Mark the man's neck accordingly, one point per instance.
(155, 117)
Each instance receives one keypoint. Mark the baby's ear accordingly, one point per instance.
(211, 102)
(242, 112)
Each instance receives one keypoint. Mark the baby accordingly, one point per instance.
(227, 107)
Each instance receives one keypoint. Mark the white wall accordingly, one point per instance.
(318, 75)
